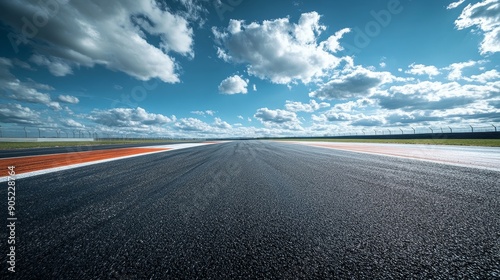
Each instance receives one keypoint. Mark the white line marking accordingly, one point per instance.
(469, 165)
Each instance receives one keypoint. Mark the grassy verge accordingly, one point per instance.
(460, 142)
(28, 145)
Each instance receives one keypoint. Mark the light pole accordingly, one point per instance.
(491, 125)
(25, 133)
(414, 131)
(451, 130)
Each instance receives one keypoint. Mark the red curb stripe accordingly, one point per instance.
(36, 163)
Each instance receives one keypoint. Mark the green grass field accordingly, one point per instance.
(460, 142)
(28, 145)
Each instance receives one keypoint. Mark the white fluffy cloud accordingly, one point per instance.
(195, 125)
(349, 119)
(114, 34)
(354, 82)
(484, 15)
(275, 116)
(352, 112)
(332, 43)
(233, 85)
(57, 67)
(204, 113)
(15, 113)
(424, 103)
(353, 105)
(192, 124)
(219, 123)
(128, 117)
(71, 123)
(305, 107)
(455, 4)
(69, 99)
(278, 118)
(13, 88)
(428, 95)
(457, 68)
(491, 75)
(279, 50)
(420, 69)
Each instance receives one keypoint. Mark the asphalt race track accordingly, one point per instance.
(261, 209)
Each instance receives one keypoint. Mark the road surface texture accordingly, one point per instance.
(258, 209)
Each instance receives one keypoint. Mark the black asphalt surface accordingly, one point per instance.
(257, 209)
(72, 149)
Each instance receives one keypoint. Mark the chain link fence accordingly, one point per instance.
(418, 130)
(50, 132)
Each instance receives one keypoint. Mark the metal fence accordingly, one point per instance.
(51, 132)
(417, 130)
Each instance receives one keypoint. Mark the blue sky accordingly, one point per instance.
(240, 68)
